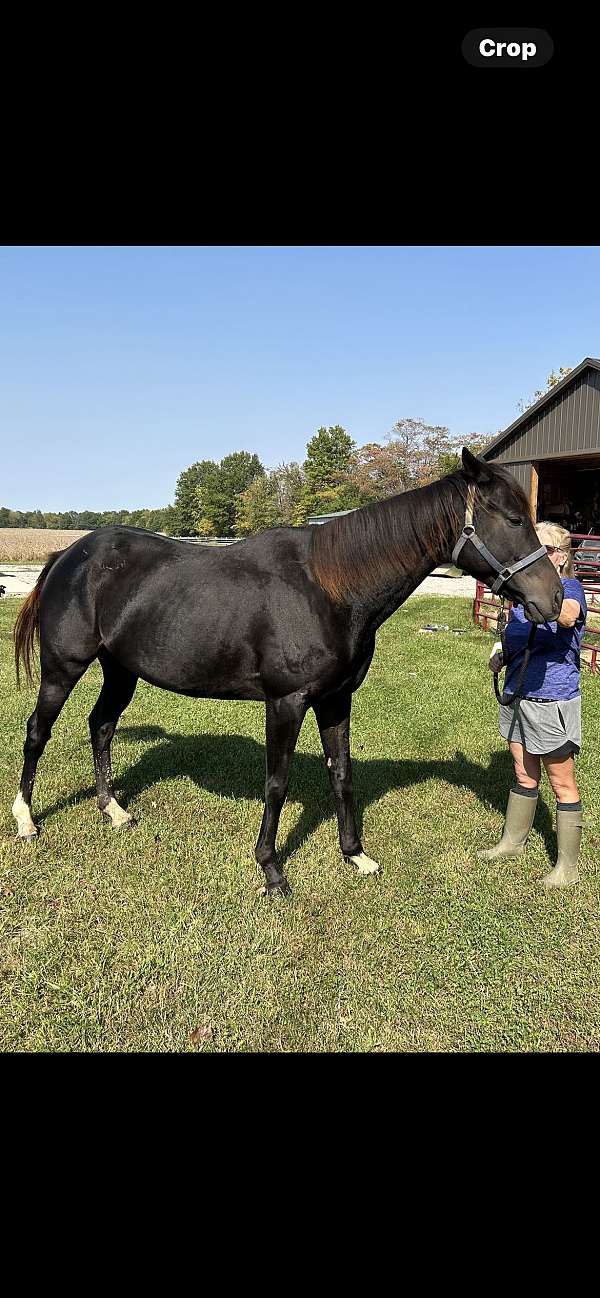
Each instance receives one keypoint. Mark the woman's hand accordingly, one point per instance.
(496, 660)
(569, 612)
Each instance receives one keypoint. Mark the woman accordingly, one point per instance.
(544, 724)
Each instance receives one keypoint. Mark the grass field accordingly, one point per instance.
(33, 544)
(156, 939)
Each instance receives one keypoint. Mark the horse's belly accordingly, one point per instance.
(206, 689)
(209, 678)
(227, 660)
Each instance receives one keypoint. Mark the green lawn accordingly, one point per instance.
(156, 939)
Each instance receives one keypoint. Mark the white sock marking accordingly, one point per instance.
(22, 815)
(116, 814)
(365, 864)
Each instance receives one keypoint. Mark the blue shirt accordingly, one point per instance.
(554, 665)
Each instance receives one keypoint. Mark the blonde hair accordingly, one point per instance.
(560, 538)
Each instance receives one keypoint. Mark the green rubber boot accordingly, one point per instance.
(520, 814)
(569, 825)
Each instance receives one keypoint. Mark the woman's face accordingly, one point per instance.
(557, 557)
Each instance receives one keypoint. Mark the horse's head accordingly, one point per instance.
(498, 528)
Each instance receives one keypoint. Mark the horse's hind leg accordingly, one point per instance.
(55, 687)
(284, 719)
(116, 693)
(333, 720)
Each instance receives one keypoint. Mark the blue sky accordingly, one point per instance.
(119, 366)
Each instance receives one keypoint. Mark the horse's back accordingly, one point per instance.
(242, 621)
(121, 548)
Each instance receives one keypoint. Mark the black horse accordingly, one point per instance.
(288, 617)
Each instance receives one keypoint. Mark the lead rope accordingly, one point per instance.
(501, 628)
(515, 699)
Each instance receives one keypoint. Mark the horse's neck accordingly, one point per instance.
(375, 610)
(429, 553)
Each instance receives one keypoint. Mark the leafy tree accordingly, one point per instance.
(33, 518)
(238, 470)
(328, 486)
(270, 500)
(258, 507)
(410, 458)
(186, 497)
(155, 520)
(70, 519)
(420, 448)
(88, 519)
(450, 460)
(289, 483)
(236, 473)
(214, 508)
(414, 454)
(551, 382)
(205, 498)
(379, 471)
(328, 456)
(167, 522)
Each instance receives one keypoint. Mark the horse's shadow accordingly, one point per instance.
(233, 766)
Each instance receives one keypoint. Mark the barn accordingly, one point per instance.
(553, 450)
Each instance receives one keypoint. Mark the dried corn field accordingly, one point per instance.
(33, 544)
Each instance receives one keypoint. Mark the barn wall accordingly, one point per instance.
(569, 425)
(521, 471)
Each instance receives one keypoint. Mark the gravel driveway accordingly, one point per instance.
(19, 578)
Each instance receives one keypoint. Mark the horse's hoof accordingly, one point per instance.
(364, 864)
(281, 889)
(122, 826)
(27, 838)
(118, 818)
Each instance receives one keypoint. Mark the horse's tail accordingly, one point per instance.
(27, 625)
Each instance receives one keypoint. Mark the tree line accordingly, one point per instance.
(238, 496)
(73, 520)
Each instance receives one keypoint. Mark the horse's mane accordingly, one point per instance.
(366, 551)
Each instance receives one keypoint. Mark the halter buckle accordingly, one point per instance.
(503, 576)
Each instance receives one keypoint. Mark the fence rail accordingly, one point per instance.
(486, 605)
(208, 540)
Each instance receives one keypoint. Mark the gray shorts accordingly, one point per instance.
(553, 729)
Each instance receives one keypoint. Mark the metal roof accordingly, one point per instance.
(325, 518)
(590, 362)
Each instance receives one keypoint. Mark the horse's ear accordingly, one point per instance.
(476, 470)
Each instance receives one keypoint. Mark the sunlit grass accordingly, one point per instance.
(157, 940)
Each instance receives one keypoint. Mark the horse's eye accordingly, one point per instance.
(516, 522)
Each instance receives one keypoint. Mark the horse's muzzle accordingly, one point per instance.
(540, 615)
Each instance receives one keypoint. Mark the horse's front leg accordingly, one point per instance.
(333, 719)
(284, 719)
